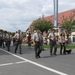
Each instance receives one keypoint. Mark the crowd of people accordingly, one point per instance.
(7, 37)
(37, 40)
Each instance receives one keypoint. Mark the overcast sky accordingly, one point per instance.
(19, 14)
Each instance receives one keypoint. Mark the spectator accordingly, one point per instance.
(29, 40)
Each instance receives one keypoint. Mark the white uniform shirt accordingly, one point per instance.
(8, 36)
(35, 37)
(3, 35)
(17, 36)
(0, 34)
(51, 35)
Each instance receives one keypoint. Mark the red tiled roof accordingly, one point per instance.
(66, 14)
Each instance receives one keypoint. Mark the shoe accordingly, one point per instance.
(51, 54)
(39, 56)
(20, 53)
(15, 52)
(8, 50)
(43, 49)
(55, 54)
(60, 53)
(64, 53)
(36, 57)
(4, 47)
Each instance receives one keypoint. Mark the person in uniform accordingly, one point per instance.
(53, 42)
(8, 40)
(3, 39)
(41, 41)
(36, 41)
(14, 38)
(18, 42)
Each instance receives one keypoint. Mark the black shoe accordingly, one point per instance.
(51, 54)
(36, 57)
(20, 53)
(60, 53)
(4, 47)
(64, 53)
(43, 49)
(55, 54)
(8, 50)
(15, 52)
(39, 56)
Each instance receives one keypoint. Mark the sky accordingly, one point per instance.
(19, 14)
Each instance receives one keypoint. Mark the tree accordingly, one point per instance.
(68, 24)
(43, 24)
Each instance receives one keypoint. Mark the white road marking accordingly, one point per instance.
(37, 64)
(6, 64)
(21, 62)
(12, 63)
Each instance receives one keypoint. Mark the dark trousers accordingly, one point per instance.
(3, 44)
(62, 47)
(14, 42)
(8, 45)
(37, 49)
(29, 43)
(53, 45)
(18, 43)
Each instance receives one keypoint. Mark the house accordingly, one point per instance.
(65, 14)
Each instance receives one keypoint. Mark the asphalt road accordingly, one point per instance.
(27, 64)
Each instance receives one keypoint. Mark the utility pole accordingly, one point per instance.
(55, 13)
(56, 16)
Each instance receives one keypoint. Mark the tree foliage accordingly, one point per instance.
(68, 24)
(43, 24)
